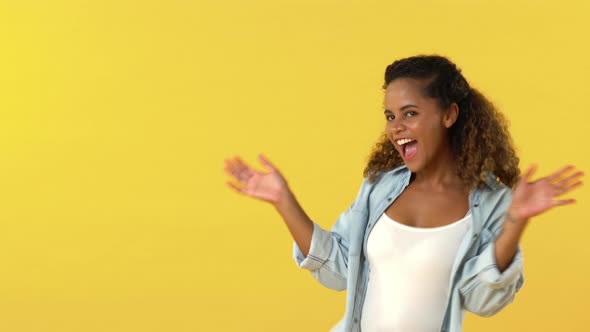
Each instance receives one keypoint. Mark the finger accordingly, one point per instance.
(570, 187)
(241, 174)
(240, 163)
(229, 164)
(235, 188)
(244, 171)
(568, 179)
(559, 173)
(234, 165)
(245, 174)
(564, 202)
(266, 163)
(230, 169)
(527, 176)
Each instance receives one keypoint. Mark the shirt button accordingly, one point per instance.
(475, 205)
(356, 320)
(389, 199)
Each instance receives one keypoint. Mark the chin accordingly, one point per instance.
(413, 166)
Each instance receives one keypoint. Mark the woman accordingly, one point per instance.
(435, 228)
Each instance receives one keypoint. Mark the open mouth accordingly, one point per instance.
(409, 147)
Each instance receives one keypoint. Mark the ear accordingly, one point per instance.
(450, 115)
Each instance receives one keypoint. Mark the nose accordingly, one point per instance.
(397, 126)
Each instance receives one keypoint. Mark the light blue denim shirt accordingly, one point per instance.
(337, 258)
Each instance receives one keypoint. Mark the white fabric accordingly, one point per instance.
(410, 269)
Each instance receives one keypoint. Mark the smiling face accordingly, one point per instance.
(416, 124)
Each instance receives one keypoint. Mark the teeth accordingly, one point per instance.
(404, 141)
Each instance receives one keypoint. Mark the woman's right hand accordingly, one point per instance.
(270, 187)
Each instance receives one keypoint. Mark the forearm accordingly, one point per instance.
(298, 223)
(506, 244)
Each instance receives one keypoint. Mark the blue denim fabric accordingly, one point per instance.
(337, 258)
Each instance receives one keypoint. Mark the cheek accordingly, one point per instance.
(430, 134)
(389, 129)
(434, 128)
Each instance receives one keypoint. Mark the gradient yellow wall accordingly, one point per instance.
(115, 118)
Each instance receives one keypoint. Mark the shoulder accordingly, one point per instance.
(495, 199)
(382, 184)
(386, 179)
(493, 190)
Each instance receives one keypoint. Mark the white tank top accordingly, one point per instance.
(409, 275)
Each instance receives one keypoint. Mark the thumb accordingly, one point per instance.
(266, 163)
(528, 174)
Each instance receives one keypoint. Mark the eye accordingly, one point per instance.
(389, 117)
(410, 113)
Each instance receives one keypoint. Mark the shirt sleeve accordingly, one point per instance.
(484, 289)
(327, 259)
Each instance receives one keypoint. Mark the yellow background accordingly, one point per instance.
(115, 118)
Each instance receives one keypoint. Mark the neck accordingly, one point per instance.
(440, 174)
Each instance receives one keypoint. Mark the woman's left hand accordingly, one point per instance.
(531, 198)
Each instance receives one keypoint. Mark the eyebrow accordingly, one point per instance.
(402, 108)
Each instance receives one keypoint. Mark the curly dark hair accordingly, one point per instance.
(480, 141)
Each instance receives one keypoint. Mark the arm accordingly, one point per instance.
(326, 255)
(299, 224)
(496, 273)
(531, 199)
(506, 244)
(485, 287)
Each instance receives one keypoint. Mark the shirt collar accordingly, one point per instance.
(490, 179)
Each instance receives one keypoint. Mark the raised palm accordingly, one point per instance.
(265, 186)
(533, 198)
